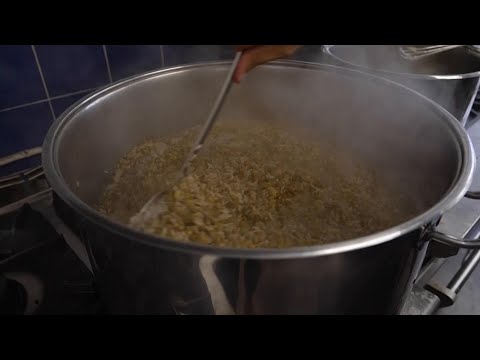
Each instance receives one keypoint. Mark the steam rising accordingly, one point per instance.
(407, 144)
(384, 60)
(187, 54)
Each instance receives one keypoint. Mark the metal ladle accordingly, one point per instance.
(156, 205)
(420, 52)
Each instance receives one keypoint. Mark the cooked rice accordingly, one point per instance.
(253, 186)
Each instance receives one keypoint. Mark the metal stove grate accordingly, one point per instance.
(475, 112)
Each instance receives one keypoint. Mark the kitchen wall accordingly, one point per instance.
(39, 82)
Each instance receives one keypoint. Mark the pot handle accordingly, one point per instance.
(450, 240)
(475, 195)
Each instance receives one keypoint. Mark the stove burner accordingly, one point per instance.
(12, 297)
(39, 272)
(29, 291)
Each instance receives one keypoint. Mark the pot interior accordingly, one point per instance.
(407, 140)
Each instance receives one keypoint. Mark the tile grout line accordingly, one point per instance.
(52, 98)
(74, 93)
(105, 54)
(162, 56)
(39, 67)
(23, 105)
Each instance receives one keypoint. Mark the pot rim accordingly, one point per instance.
(327, 49)
(451, 198)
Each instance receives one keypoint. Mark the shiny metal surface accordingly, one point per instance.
(140, 273)
(469, 115)
(463, 221)
(136, 278)
(450, 78)
(40, 196)
(460, 220)
(454, 64)
(213, 115)
(465, 267)
(461, 243)
(421, 302)
(20, 155)
(151, 209)
(448, 294)
(464, 272)
(420, 52)
(475, 195)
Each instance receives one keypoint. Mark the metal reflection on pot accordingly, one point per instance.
(404, 134)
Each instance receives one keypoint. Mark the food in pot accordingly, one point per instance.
(254, 185)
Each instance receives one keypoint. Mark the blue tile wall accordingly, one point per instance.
(129, 60)
(183, 54)
(59, 105)
(20, 80)
(71, 72)
(23, 128)
(71, 68)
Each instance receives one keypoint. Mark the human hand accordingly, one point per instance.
(254, 55)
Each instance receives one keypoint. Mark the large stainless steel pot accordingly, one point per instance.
(408, 137)
(451, 79)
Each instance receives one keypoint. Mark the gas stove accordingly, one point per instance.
(42, 270)
(444, 275)
(44, 267)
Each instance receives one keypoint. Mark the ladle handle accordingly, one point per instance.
(213, 115)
